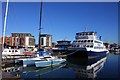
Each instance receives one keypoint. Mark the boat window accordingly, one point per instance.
(91, 40)
(87, 45)
(77, 45)
(77, 33)
(91, 46)
(16, 51)
(47, 57)
(9, 50)
(82, 41)
(86, 33)
(90, 33)
(88, 40)
(78, 41)
(98, 42)
(85, 40)
(12, 50)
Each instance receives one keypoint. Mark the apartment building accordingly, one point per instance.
(19, 40)
(46, 40)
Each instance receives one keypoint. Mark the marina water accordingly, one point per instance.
(105, 67)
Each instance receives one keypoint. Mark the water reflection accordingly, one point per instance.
(77, 67)
(31, 71)
(87, 68)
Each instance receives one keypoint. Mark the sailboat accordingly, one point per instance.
(43, 56)
(39, 56)
(8, 52)
(51, 60)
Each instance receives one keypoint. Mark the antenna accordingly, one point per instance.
(40, 25)
(65, 38)
(85, 29)
(5, 20)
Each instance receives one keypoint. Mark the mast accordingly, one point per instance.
(39, 44)
(5, 20)
(85, 29)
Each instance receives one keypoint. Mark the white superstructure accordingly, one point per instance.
(87, 41)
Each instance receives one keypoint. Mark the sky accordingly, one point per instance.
(63, 19)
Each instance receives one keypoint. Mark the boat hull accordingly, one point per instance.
(29, 62)
(49, 63)
(83, 53)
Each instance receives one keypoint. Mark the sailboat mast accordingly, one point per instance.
(40, 25)
(5, 20)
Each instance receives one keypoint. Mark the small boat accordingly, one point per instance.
(28, 61)
(49, 61)
(31, 61)
(11, 53)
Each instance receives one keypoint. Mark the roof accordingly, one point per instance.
(45, 35)
(20, 33)
(63, 41)
(87, 32)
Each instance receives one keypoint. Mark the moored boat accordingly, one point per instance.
(61, 46)
(86, 44)
(11, 53)
(49, 61)
(31, 61)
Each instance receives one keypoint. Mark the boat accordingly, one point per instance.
(86, 44)
(49, 61)
(62, 46)
(31, 61)
(28, 61)
(11, 53)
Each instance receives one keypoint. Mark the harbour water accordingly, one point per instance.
(106, 67)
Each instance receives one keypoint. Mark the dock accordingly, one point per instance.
(8, 60)
(6, 75)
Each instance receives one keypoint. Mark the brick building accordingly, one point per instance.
(19, 40)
